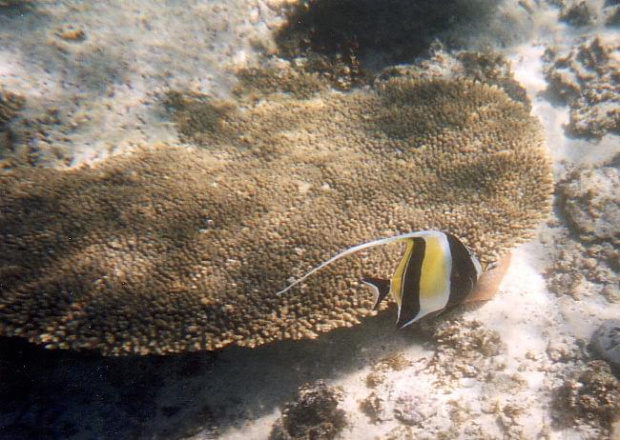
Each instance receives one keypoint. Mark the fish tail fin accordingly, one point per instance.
(381, 286)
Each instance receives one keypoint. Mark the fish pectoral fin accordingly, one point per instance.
(381, 286)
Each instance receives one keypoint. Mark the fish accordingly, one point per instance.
(436, 272)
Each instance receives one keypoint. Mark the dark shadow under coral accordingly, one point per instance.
(65, 394)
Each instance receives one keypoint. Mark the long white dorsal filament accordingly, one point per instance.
(354, 249)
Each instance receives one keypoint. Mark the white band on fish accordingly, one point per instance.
(436, 271)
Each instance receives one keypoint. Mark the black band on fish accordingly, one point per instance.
(409, 306)
(436, 271)
(464, 272)
(381, 286)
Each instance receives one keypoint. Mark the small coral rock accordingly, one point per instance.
(590, 200)
(587, 262)
(466, 349)
(593, 399)
(314, 415)
(10, 105)
(577, 14)
(586, 79)
(412, 409)
(606, 343)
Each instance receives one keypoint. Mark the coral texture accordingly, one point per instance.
(10, 105)
(466, 349)
(587, 80)
(605, 344)
(313, 415)
(577, 14)
(174, 249)
(592, 399)
(587, 261)
(590, 202)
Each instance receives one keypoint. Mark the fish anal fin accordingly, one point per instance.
(381, 286)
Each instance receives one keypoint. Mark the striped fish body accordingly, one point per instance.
(437, 271)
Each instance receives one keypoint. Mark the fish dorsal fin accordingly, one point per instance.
(381, 286)
(357, 248)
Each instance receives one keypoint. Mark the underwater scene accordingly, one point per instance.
(309, 219)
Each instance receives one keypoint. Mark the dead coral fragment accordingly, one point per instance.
(593, 399)
(577, 14)
(374, 407)
(414, 409)
(466, 349)
(587, 80)
(175, 249)
(605, 343)
(395, 362)
(590, 201)
(587, 262)
(313, 415)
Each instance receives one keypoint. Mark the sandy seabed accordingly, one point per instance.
(91, 74)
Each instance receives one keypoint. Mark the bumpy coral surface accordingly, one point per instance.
(314, 415)
(605, 343)
(10, 104)
(466, 349)
(593, 399)
(587, 80)
(173, 249)
(587, 261)
(590, 201)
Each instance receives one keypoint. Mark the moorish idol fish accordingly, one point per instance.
(437, 271)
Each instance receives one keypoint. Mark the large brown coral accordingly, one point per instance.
(172, 249)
